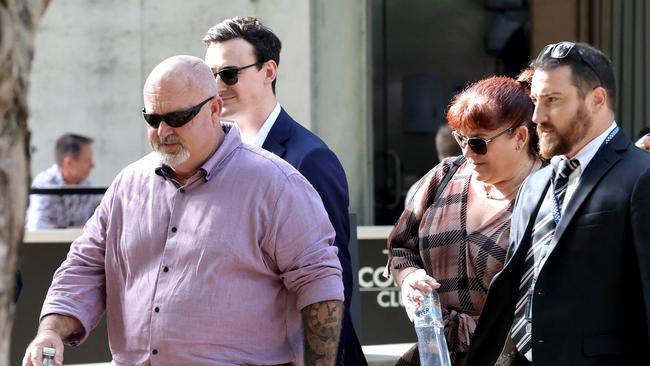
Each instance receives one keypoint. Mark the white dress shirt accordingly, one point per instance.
(584, 156)
(266, 127)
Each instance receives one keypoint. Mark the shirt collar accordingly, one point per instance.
(266, 126)
(231, 141)
(54, 172)
(587, 153)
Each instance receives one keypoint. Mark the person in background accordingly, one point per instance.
(208, 251)
(74, 161)
(458, 243)
(446, 147)
(643, 139)
(575, 289)
(244, 55)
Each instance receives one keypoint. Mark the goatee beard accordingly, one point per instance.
(562, 142)
(173, 159)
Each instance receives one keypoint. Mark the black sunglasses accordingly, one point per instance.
(562, 50)
(477, 144)
(174, 119)
(229, 75)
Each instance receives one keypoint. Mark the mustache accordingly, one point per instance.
(541, 127)
(170, 139)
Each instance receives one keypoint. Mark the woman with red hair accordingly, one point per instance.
(453, 234)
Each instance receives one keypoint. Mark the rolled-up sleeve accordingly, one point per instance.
(302, 237)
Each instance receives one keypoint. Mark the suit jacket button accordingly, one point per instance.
(540, 341)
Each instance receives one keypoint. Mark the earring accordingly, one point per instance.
(517, 147)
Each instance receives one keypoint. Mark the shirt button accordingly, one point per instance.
(156, 309)
(155, 352)
(165, 269)
(174, 229)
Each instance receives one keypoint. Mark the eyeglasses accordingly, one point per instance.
(229, 75)
(174, 119)
(477, 144)
(562, 50)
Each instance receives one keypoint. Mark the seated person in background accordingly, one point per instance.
(74, 160)
(446, 147)
(643, 141)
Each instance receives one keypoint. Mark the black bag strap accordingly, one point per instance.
(452, 170)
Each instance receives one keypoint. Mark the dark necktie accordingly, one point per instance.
(566, 167)
(541, 237)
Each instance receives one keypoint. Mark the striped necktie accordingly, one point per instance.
(541, 237)
(566, 167)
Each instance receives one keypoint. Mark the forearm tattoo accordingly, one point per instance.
(322, 327)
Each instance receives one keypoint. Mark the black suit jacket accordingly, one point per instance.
(314, 160)
(591, 303)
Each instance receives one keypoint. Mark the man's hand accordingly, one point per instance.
(54, 328)
(322, 327)
(413, 287)
(44, 338)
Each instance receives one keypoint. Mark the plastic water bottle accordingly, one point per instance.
(429, 327)
(48, 356)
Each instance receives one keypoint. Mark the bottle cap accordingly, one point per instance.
(49, 351)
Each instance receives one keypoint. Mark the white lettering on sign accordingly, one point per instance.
(389, 299)
(376, 278)
(372, 279)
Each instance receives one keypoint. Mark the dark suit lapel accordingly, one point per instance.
(279, 134)
(602, 162)
(530, 200)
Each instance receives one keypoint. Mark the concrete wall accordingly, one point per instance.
(92, 57)
(340, 104)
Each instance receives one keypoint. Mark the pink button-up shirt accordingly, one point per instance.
(213, 272)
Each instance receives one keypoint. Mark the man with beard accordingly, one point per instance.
(576, 286)
(208, 251)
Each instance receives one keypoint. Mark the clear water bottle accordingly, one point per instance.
(48, 356)
(429, 327)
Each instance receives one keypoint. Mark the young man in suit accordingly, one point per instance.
(576, 286)
(244, 56)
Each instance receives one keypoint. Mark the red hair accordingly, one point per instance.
(493, 103)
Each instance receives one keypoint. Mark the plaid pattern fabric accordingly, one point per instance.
(435, 237)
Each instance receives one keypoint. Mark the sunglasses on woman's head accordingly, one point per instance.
(229, 75)
(477, 144)
(174, 119)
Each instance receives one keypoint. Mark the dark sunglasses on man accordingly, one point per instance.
(477, 144)
(229, 75)
(563, 49)
(174, 119)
